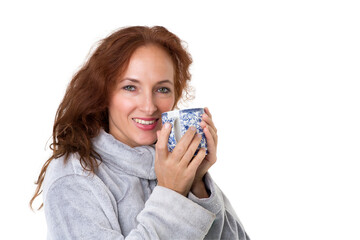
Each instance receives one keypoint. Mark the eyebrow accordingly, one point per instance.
(137, 81)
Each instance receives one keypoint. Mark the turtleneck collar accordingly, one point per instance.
(137, 161)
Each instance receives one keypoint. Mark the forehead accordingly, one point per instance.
(150, 62)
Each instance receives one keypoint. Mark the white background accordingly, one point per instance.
(281, 79)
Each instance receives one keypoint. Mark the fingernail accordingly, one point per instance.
(167, 125)
(198, 135)
(193, 128)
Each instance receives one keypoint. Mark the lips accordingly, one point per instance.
(146, 123)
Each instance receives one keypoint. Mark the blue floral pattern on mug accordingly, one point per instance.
(183, 119)
(192, 117)
(172, 141)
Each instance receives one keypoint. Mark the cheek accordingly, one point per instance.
(165, 105)
(120, 105)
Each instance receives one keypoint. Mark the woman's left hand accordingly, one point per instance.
(210, 131)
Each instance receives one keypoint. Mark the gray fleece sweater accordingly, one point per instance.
(122, 200)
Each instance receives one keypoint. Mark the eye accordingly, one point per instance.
(163, 90)
(129, 88)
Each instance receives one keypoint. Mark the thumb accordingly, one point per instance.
(163, 137)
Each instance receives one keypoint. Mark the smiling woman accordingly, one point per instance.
(141, 96)
(106, 178)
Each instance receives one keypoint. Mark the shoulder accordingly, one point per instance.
(61, 172)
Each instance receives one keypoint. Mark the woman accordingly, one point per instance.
(107, 179)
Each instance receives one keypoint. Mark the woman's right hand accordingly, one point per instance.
(176, 170)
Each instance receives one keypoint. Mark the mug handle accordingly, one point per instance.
(177, 130)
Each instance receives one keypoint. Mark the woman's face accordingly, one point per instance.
(143, 92)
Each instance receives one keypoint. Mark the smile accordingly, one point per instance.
(144, 122)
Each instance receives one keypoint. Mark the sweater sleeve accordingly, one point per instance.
(227, 224)
(79, 207)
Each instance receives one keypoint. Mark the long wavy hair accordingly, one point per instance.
(84, 108)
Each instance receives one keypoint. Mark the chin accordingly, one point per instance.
(146, 141)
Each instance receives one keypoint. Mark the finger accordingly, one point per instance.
(182, 146)
(212, 131)
(197, 160)
(189, 154)
(207, 111)
(163, 138)
(213, 134)
(210, 141)
(207, 119)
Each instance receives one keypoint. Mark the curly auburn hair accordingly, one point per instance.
(84, 108)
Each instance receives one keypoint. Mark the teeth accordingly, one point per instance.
(144, 122)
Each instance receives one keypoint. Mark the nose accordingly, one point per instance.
(148, 104)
